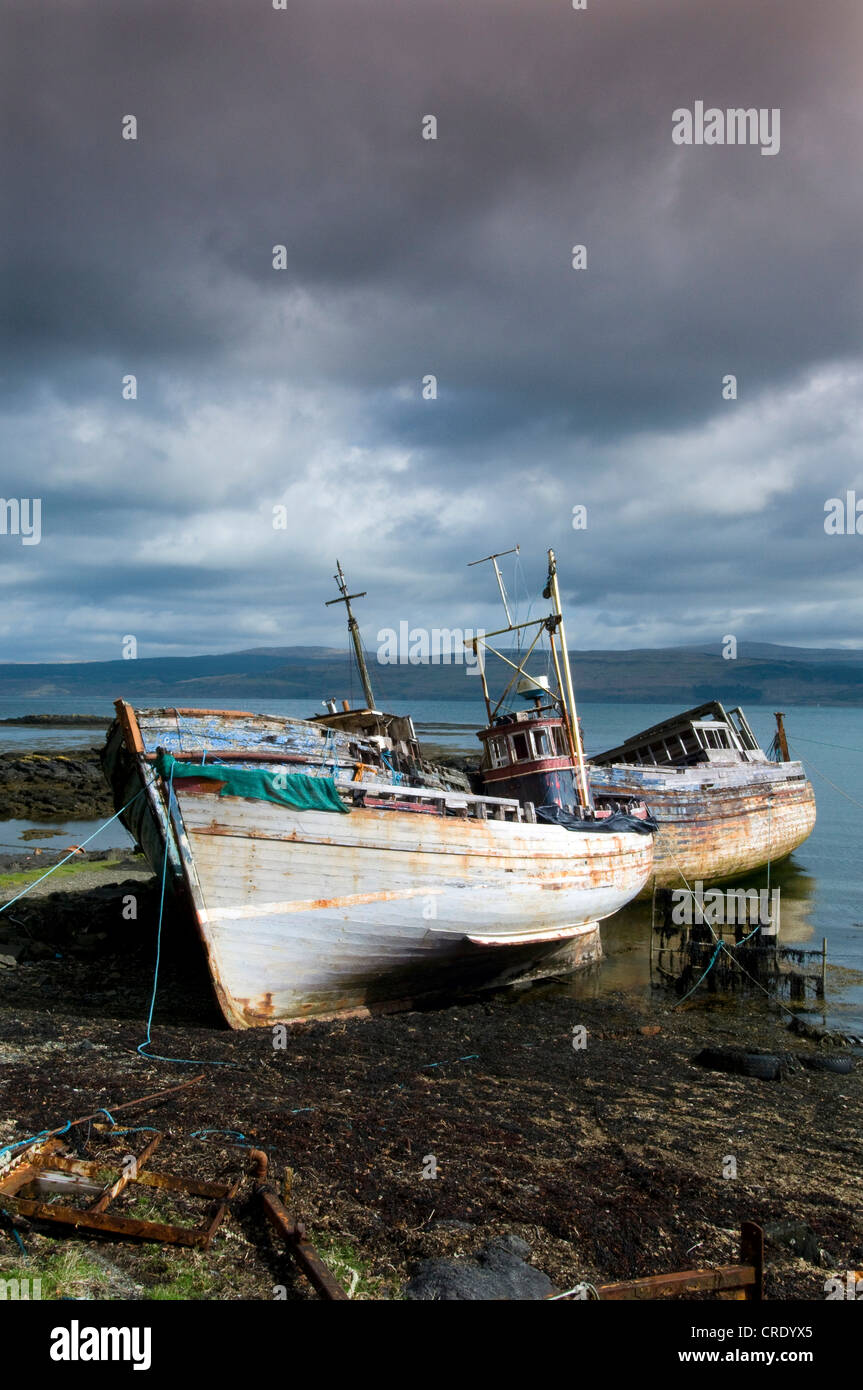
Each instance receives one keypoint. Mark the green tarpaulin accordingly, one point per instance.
(295, 789)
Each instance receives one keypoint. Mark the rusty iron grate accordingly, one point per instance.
(43, 1186)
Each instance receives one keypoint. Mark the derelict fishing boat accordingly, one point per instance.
(329, 869)
(723, 807)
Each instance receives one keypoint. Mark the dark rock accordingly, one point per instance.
(795, 1236)
(500, 1272)
(11, 952)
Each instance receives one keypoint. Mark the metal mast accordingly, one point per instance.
(552, 592)
(354, 630)
(494, 559)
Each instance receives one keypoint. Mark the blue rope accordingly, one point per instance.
(237, 1134)
(71, 855)
(722, 945)
(468, 1058)
(139, 1129)
(34, 1138)
(397, 776)
(21, 1246)
(154, 1056)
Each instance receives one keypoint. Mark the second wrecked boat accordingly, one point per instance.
(722, 806)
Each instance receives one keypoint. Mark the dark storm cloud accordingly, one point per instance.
(406, 257)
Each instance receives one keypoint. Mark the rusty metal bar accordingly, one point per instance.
(745, 1279)
(114, 1189)
(293, 1233)
(114, 1225)
(752, 1253)
(684, 1281)
(98, 1218)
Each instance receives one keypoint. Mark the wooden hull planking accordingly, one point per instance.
(717, 822)
(308, 914)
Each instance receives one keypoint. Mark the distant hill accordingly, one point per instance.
(761, 674)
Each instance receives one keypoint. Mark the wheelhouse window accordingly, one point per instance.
(498, 752)
(519, 747)
(560, 741)
(541, 744)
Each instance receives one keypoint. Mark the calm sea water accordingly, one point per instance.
(822, 882)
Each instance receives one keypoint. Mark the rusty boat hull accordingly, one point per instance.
(716, 822)
(414, 894)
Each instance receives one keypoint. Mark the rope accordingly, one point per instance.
(71, 855)
(723, 946)
(810, 763)
(821, 744)
(154, 1056)
(35, 1138)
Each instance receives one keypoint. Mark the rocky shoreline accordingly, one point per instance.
(599, 1163)
(54, 785)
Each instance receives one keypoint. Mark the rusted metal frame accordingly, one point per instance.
(115, 1188)
(218, 1211)
(191, 1187)
(106, 1221)
(746, 1278)
(294, 1234)
(96, 1217)
(727, 1277)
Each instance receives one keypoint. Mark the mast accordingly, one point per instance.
(354, 630)
(552, 592)
(494, 559)
(780, 739)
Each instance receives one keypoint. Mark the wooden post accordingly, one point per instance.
(780, 736)
(752, 1253)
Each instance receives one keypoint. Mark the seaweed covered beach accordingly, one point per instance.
(417, 1136)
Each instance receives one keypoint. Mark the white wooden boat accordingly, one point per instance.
(417, 891)
(722, 806)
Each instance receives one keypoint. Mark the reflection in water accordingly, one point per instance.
(625, 966)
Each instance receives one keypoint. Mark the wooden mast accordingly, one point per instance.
(354, 630)
(781, 740)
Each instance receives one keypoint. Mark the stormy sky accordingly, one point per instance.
(302, 387)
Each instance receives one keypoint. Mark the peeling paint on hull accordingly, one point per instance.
(717, 822)
(301, 918)
(308, 914)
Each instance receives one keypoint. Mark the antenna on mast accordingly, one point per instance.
(354, 630)
(494, 559)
